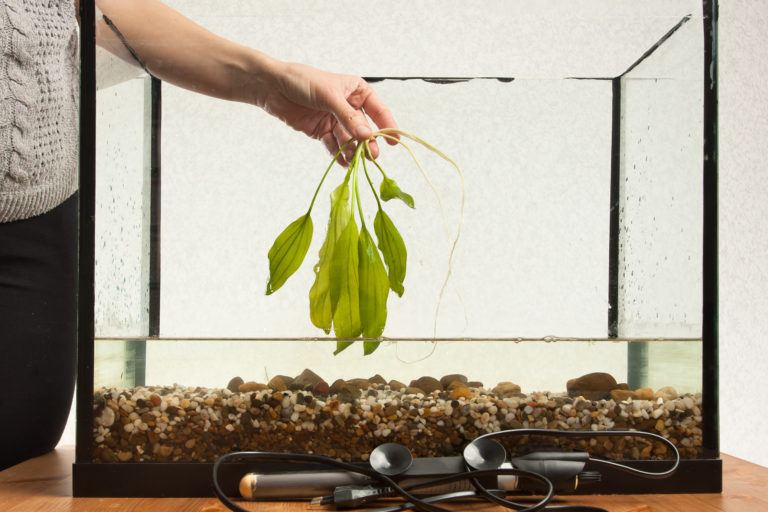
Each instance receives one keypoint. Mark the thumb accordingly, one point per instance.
(351, 119)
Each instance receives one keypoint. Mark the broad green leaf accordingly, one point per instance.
(374, 288)
(319, 300)
(288, 252)
(345, 286)
(370, 346)
(390, 190)
(393, 249)
(320, 311)
(341, 345)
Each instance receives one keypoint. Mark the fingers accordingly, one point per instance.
(351, 119)
(380, 114)
(342, 137)
(351, 112)
(332, 145)
(374, 147)
(337, 138)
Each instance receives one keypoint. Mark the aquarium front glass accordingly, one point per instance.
(572, 300)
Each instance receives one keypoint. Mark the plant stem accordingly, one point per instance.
(356, 189)
(325, 174)
(426, 178)
(368, 177)
(383, 174)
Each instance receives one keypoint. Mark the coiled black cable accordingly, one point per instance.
(422, 505)
(492, 495)
(577, 433)
(597, 433)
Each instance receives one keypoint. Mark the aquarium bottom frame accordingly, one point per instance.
(193, 479)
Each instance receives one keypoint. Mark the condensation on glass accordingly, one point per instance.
(576, 288)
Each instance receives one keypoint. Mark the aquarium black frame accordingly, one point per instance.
(194, 479)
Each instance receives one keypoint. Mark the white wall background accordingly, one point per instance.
(743, 227)
(743, 243)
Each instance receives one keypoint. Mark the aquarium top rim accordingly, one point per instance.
(545, 339)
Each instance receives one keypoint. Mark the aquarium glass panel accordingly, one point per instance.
(661, 190)
(544, 193)
(122, 209)
(555, 282)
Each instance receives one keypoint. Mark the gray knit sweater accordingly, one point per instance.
(39, 91)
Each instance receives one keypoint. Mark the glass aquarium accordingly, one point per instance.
(560, 281)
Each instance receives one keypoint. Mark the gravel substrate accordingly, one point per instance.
(350, 418)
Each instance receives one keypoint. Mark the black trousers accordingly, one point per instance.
(38, 331)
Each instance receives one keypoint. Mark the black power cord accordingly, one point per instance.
(354, 496)
(492, 497)
(598, 433)
(392, 488)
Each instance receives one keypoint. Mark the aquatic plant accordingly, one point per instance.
(353, 274)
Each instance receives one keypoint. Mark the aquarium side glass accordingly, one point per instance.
(660, 210)
(122, 226)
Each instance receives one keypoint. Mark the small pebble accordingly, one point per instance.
(667, 393)
(234, 384)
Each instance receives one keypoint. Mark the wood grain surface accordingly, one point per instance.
(45, 484)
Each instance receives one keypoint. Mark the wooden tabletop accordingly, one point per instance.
(45, 484)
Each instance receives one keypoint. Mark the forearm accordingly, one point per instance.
(179, 51)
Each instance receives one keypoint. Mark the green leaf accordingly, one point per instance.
(369, 347)
(393, 249)
(341, 345)
(345, 285)
(288, 252)
(390, 190)
(374, 287)
(320, 311)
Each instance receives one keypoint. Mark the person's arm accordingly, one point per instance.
(323, 105)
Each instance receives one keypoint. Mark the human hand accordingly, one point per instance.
(325, 106)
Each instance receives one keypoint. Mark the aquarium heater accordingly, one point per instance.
(481, 472)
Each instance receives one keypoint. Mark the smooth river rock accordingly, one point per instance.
(592, 386)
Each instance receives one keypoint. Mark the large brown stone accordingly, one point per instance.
(279, 382)
(337, 385)
(396, 385)
(347, 390)
(447, 380)
(305, 381)
(234, 384)
(427, 384)
(321, 388)
(592, 386)
(377, 379)
(251, 386)
(644, 394)
(620, 395)
(360, 383)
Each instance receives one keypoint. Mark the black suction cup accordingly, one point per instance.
(484, 454)
(391, 459)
